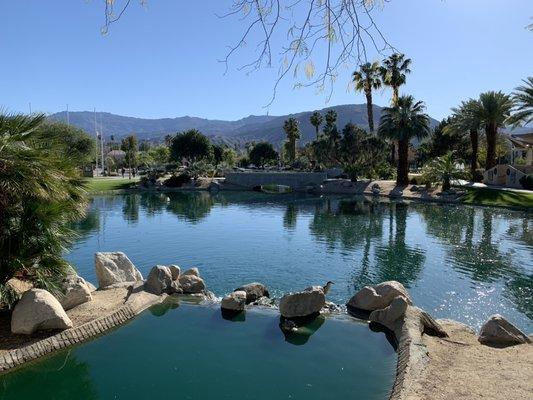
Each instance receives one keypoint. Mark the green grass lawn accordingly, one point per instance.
(495, 197)
(105, 184)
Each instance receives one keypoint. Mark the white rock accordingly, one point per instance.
(115, 267)
(379, 296)
(192, 271)
(175, 271)
(191, 284)
(76, 291)
(38, 310)
(159, 280)
(390, 316)
(234, 301)
(498, 331)
(302, 304)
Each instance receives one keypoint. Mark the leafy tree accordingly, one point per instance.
(523, 100)
(442, 140)
(262, 153)
(129, 146)
(466, 120)
(443, 170)
(331, 123)
(218, 152)
(366, 79)
(160, 154)
(75, 141)
(192, 145)
(402, 122)
(41, 193)
(229, 156)
(493, 109)
(144, 159)
(316, 120)
(144, 145)
(292, 130)
(350, 143)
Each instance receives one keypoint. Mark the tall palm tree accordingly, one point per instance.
(41, 193)
(316, 120)
(466, 119)
(394, 72)
(402, 122)
(367, 78)
(493, 110)
(523, 99)
(292, 130)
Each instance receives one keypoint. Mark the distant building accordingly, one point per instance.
(520, 163)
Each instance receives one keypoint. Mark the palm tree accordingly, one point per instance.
(523, 99)
(394, 73)
(366, 79)
(316, 120)
(41, 193)
(466, 119)
(292, 131)
(402, 122)
(443, 170)
(493, 110)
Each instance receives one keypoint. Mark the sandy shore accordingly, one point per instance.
(104, 303)
(460, 367)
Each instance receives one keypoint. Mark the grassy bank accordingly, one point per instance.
(495, 197)
(106, 184)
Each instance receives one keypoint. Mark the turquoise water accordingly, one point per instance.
(460, 262)
(191, 352)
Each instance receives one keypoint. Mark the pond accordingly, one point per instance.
(191, 352)
(459, 262)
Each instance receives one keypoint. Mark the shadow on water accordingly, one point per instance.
(305, 329)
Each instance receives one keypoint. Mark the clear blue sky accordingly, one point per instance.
(162, 61)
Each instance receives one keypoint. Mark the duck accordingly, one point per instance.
(327, 287)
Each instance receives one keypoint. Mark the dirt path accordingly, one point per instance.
(461, 368)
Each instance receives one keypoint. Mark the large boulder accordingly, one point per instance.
(500, 332)
(254, 291)
(175, 271)
(159, 280)
(302, 304)
(234, 301)
(391, 315)
(191, 284)
(38, 310)
(115, 267)
(192, 271)
(379, 296)
(76, 291)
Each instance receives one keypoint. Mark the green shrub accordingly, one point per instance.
(527, 182)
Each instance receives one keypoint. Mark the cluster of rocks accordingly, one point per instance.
(252, 293)
(170, 280)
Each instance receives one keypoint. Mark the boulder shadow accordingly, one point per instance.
(232, 315)
(298, 331)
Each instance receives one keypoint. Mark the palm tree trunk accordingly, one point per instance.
(369, 110)
(403, 167)
(316, 129)
(491, 132)
(473, 159)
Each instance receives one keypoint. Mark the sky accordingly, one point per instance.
(163, 60)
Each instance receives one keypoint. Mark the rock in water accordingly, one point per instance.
(234, 301)
(115, 267)
(498, 331)
(192, 271)
(379, 296)
(302, 304)
(191, 284)
(159, 280)
(175, 271)
(38, 310)
(389, 316)
(254, 291)
(76, 291)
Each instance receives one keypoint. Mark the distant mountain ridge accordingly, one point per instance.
(251, 128)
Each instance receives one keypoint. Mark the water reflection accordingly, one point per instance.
(356, 241)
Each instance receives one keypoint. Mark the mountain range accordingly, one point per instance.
(252, 128)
